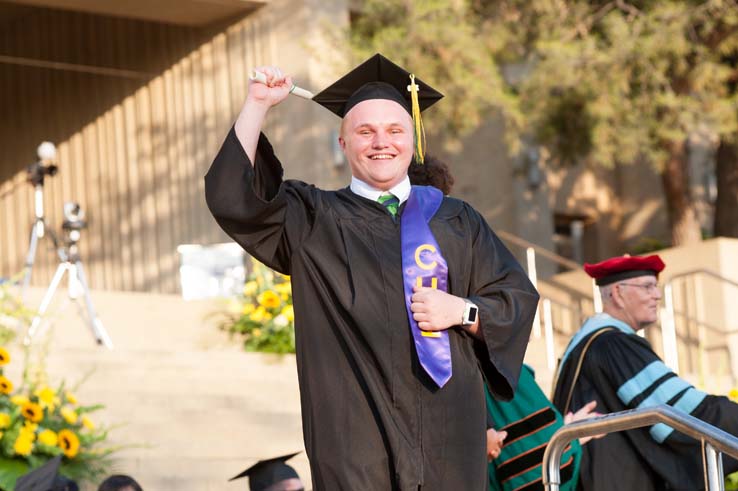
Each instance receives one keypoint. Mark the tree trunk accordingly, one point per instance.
(726, 205)
(685, 227)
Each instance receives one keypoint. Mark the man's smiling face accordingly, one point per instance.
(377, 139)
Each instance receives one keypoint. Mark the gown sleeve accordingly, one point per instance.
(627, 366)
(267, 216)
(507, 304)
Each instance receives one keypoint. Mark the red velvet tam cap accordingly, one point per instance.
(623, 268)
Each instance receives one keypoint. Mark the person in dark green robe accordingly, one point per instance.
(523, 426)
(372, 418)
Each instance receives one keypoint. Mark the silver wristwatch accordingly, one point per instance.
(471, 312)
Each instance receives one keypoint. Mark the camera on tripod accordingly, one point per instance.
(37, 171)
(74, 222)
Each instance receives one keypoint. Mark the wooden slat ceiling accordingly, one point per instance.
(195, 13)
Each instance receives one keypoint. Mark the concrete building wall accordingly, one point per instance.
(138, 110)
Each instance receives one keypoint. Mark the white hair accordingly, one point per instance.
(606, 292)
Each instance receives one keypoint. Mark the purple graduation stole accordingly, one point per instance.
(423, 265)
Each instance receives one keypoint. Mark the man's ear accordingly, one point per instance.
(617, 296)
(342, 142)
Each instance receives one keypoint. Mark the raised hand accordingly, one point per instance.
(261, 97)
(275, 90)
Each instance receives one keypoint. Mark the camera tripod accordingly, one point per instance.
(71, 263)
(38, 230)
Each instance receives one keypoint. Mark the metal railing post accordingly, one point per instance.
(596, 297)
(530, 255)
(713, 468)
(668, 330)
(548, 335)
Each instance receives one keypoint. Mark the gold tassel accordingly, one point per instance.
(418, 129)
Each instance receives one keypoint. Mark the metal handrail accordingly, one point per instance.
(668, 325)
(551, 256)
(705, 272)
(713, 439)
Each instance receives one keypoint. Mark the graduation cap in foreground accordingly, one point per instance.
(265, 473)
(45, 478)
(379, 78)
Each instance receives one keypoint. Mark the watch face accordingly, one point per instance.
(473, 315)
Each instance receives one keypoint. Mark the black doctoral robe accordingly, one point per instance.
(621, 371)
(372, 418)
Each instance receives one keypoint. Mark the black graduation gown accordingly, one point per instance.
(372, 418)
(621, 371)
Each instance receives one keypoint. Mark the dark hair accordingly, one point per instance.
(62, 483)
(119, 482)
(434, 172)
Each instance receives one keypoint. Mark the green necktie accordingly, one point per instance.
(391, 202)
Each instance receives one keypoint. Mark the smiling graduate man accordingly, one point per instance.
(606, 361)
(400, 294)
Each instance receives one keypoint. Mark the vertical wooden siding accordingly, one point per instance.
(132, 151)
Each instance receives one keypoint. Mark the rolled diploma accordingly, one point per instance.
(299, 92)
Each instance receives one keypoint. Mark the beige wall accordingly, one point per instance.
(133, 150)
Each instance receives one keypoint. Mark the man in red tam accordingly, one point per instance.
(607, 362)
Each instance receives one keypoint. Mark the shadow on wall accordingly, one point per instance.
(132, 148)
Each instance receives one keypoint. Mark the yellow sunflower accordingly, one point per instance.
(733, 395)
(4, 356)
(258, 315)
(87, 423)
(248, 308)
(250, 288)
(19, 400)
(69, 415)
(71, 398)
(23, 445)
(69, 443)
(32, 412)
(269, 300)
(6, 386)
(283, 289)
(46, 397)
(30, 428)
(289, 312)
(48, 437)
(4, 420)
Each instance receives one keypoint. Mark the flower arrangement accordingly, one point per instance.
(38, 423)
(263, 315)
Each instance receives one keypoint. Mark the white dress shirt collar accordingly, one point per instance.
(401, 190)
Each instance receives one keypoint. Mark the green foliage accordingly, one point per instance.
(442, 42)
(13, 314)
(646, 245)
(263, 317)
(593, 81)
(731, 482)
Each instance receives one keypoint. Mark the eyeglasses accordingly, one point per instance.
(650, 287)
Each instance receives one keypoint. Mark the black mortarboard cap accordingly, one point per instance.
(376, 78)
(40, 479)
(265, 473)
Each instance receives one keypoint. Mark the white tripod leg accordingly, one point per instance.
(30, 258)
(45, 302)
(95, 324)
